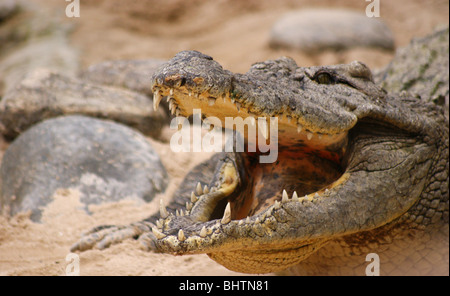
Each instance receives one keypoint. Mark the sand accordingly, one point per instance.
(236, 34)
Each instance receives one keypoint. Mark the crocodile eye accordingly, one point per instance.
(323, 78)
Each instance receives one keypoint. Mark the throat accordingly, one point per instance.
(302, 172)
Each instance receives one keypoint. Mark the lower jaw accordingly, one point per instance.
(267, 260)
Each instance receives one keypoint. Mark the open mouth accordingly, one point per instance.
(308, 163)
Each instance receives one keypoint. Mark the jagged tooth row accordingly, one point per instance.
(173, 108)
(189, 205)
(227, 214)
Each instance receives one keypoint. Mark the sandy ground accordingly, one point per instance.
(236, 34)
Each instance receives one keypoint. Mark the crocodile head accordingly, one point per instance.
(350, 159)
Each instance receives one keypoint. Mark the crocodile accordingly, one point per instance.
(359, 171)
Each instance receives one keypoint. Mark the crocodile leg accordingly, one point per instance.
(198, 181)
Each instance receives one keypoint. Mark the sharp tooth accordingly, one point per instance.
(211, 101)
(224, 97)
(299, 128)
(226, 215)
(162, 210)
(181, 236)
(316, 195)
(158, 234)
(193, 197)
(199, 190)
(326, 190)
(257, 221)
(190, 93)
(177, 213)
(284, 197)
(247, 220)
(203, 232)
(206, 189)
(188, 206)
(277, 205)
(177, 112)
(295, 196)
(238, 106)
(171, 92)
(241, 222)
(159, 223)
(232, 101)
(156, 99)
(309, 135)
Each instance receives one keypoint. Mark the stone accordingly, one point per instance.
(131, 74)
(44, 94)
(103, 160)
(315, 30)
(8, 8)
(35, 38)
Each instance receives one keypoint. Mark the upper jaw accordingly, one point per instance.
(192, 80)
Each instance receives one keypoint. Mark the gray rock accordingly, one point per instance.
(44, 94)
(105, 161)
(35, 38)
(8, 8)
(131, 74)
(49, 52)
(421, 68)
(313, 30)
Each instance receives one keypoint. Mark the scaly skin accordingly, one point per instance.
(358, 171)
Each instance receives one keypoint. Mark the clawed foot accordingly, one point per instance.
(103, 236)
